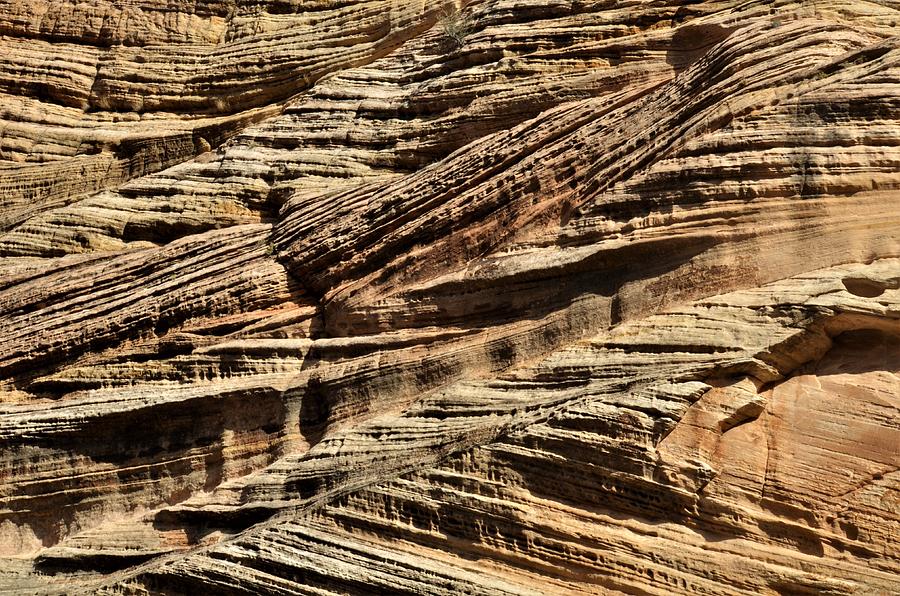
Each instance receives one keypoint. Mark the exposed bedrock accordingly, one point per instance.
(493, 297)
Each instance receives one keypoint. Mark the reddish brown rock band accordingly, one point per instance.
(433, 298)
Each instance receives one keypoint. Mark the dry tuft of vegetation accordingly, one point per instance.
(456, 27)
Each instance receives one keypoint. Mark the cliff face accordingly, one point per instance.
(400, 296)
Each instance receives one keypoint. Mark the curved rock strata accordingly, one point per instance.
(498, 297)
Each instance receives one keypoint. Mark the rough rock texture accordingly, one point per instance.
(414, 297)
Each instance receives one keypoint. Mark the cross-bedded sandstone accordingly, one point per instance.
(506, 297)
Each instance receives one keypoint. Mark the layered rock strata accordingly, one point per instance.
(509, 297)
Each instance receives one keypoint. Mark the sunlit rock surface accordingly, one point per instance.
(413, 297)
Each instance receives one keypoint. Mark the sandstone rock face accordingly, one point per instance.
(421, 297)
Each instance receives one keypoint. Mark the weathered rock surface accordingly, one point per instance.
(510, 297)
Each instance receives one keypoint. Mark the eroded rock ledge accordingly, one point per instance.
(506, 297)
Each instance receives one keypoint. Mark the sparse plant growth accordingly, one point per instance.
(804, 165)
(455, 27)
